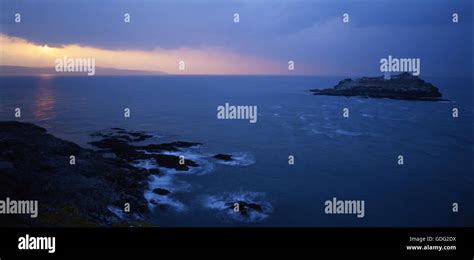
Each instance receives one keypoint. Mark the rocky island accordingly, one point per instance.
(402, 86)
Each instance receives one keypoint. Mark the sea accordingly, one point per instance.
(301, 152)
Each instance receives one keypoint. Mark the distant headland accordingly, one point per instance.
(6, 70)
(402, 86)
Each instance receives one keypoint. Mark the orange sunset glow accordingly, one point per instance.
(19, 52)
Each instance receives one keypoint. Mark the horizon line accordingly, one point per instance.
(141, 73)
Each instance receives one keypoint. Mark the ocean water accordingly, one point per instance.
(351, 158)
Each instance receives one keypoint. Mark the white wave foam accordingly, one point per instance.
(205, 166)
(221, 204)
(239, 159)
(347, 133)
(168, 180)
(145, 164)
(168, 183)
(315, 131)
(116, 211)
(155, 200)
(147, 152)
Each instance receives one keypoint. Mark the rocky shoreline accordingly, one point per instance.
(403, 86)
(94, 191)
(35, 165)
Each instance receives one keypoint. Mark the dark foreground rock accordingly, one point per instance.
(113, 142)
(35, 165)
(402, 86)
(120, 133)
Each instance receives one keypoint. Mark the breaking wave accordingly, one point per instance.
(224, 204)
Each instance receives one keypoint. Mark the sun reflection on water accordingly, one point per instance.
(45, 100)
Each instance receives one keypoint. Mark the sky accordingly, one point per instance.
(161, 33)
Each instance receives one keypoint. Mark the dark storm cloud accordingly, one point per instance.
(310, 32)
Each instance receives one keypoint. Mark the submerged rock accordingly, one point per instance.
(171, 147)
(402, 86)
(120, 133)
(184, 144)
(173, 162)
(224, 157)
(154, 172)
(244, 207)
(161, 191)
